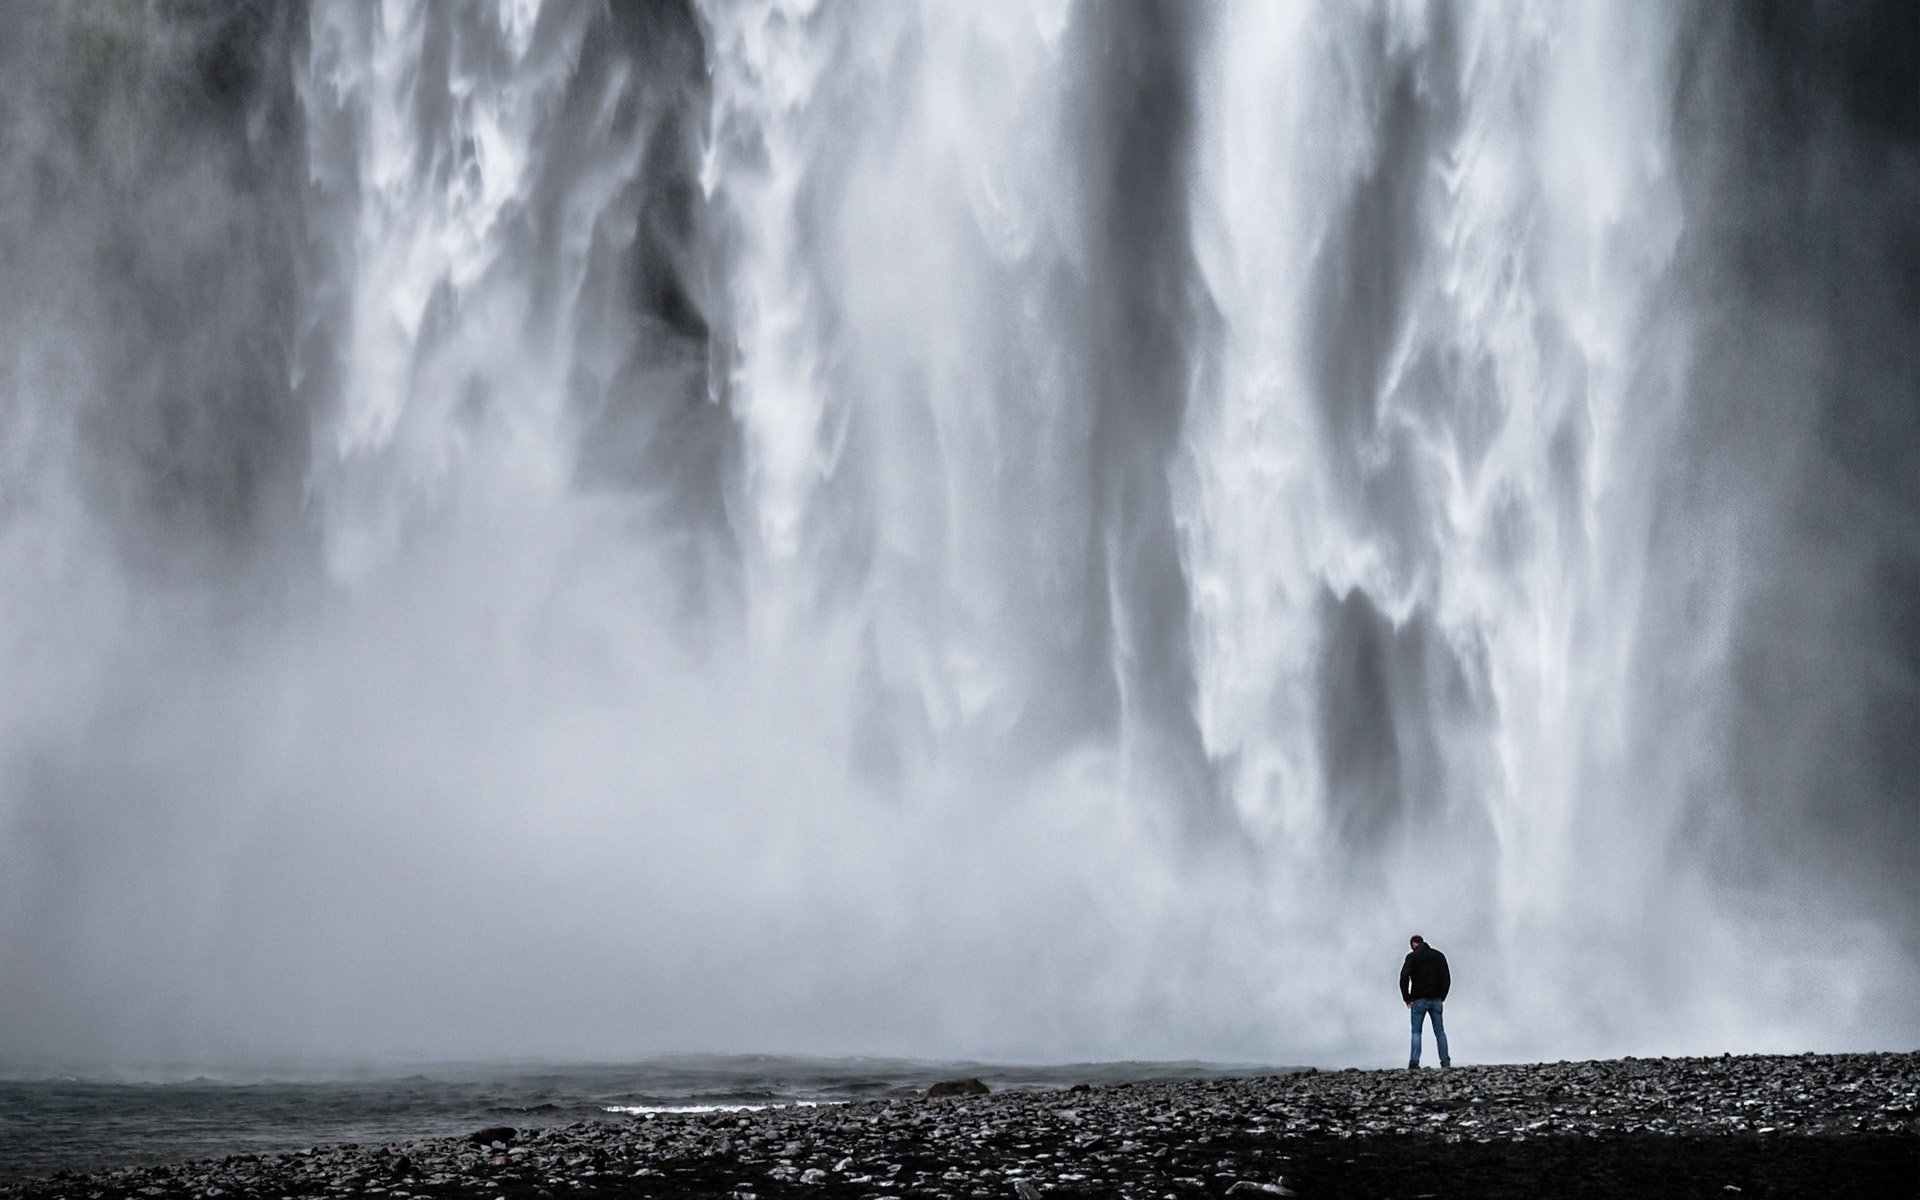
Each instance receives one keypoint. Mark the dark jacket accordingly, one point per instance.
(1424, 975)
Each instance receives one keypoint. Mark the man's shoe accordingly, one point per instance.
(1413, 1066)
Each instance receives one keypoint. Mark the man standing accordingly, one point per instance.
(1423, 985)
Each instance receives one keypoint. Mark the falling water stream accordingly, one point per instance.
(1027, 529)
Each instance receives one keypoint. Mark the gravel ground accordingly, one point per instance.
(1813, 1125)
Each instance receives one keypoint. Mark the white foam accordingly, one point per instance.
(709, 1108)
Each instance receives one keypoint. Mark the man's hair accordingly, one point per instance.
(1416, 940)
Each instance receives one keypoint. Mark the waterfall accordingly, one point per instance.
(1022, 529)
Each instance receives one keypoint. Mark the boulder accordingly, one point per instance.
(957, 1087)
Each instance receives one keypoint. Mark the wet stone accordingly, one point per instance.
(1829, 1125)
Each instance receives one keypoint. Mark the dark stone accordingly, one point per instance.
(493, 1133)
(957, 1087)
(1835, 1125)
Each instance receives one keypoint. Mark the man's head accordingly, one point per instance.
(1415, 942)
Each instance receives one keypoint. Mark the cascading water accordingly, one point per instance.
(1025, 529)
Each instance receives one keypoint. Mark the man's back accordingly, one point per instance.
(1424, 975)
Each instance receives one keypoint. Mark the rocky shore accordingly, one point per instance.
(1826, 1125)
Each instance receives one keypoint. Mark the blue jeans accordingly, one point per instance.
(1429, 1008)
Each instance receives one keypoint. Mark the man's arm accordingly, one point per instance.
(1406, 982)
(1446, 978)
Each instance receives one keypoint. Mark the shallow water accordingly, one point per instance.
(51, 1124)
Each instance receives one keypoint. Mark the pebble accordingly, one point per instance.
(1202, 1137)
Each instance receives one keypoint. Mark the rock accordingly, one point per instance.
(493, 1133)
(1343, 1131)
(957, 1087)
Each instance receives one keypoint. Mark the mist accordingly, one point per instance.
(1027, 530)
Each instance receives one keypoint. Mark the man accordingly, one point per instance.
(1423, 985)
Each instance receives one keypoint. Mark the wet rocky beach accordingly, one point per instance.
(1827, 1125)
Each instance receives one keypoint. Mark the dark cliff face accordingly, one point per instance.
(1803, 263)
(148, 254)
(1146, 322)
